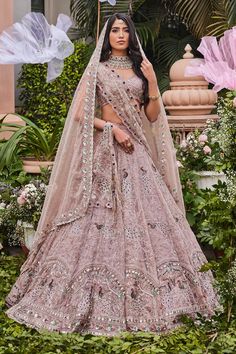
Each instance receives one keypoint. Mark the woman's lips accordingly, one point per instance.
(120, 42)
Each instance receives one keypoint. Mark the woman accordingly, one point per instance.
(114, 251)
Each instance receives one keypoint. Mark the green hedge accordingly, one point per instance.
(45, 103)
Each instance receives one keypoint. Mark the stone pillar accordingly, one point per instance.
(7, 86)
(7, 95)
(20, 9)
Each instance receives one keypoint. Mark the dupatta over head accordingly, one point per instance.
(70, 183)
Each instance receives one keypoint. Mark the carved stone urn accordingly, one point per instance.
(189, 95)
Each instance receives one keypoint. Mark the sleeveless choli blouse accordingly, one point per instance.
(133, 86)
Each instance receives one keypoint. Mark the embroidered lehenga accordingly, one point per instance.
(131, 261)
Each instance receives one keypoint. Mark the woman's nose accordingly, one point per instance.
(121, 34)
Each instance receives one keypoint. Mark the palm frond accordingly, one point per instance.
(197, 14)
(163, 80)
(224, 17)
(219, 20)
(171, 49)
(207, 17)
(218, 27)
(230, 6)
(84, 12)
(148, 19)
(122, 6)
(148, 30)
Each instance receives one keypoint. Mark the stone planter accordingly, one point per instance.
(209, 178)
(29, 233)
(33, 166)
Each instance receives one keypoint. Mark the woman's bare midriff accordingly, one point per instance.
(109, 115)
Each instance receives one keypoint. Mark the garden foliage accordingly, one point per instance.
(212, 213)
(47, 103)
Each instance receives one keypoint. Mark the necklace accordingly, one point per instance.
(120, 62)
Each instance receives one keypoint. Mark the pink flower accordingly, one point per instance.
(207, 149)
(179, 164)
(234, 102)
(183, 144)
(21, 200)
(202, 138)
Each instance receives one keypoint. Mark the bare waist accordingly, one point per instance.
(113, 120)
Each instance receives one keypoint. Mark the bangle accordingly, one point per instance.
(154, 98)
(108, 124)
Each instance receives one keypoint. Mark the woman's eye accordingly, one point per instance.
(116, 30)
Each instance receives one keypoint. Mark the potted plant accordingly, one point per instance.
(31, 144)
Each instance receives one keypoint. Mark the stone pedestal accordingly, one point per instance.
(189, 102)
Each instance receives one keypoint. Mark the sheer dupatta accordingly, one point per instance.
(70, 183)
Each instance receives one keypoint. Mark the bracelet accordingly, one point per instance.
(108, 125)
(154, 98)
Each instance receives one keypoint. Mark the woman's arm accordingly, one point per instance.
(100, 123)
(121, 137)
(152, 109)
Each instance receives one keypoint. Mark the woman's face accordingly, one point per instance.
(119, 36)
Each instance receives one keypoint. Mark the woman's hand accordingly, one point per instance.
(148, 71)
(123, 139)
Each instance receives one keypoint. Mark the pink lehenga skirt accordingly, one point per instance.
(129, 268)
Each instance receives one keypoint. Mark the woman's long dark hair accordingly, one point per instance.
(133, 52)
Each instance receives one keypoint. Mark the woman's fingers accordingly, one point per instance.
(125, 147)
(129, 147)
(126, 143)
